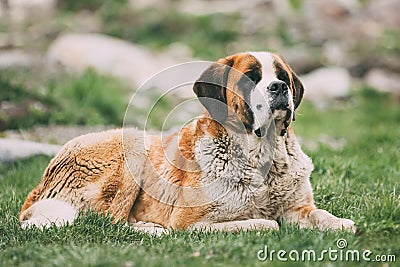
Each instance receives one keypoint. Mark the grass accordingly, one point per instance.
(359, 181)
(92, 99)
(86, 99)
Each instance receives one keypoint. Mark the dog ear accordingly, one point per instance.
(210, 88)
(298, 89)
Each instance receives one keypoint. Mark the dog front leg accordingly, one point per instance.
(308, 216)
(125, 197)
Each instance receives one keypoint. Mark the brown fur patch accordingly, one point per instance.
(304, 211)
(238, 98)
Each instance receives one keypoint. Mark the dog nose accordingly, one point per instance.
(278, 87)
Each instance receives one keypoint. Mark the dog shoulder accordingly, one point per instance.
(94, 139)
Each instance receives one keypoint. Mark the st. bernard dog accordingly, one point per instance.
(237, 167)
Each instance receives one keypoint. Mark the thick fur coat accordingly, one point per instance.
(239, 166)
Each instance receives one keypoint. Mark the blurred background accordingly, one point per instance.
(68, 67)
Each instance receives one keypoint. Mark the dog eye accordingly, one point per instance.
(283, 76)
(253, 76)
(246, 83)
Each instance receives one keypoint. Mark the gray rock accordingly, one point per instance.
(335, 9)
(130, 62)
(179, 51)
(385, 12)
(301, 58)
(15, 58)
(15, 149)
(30, 10)
(325, 84)
(54, 134)
(146, 4)
(216, 6)
(384, 81)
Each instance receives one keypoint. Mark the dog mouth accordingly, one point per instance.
(279, 114)
(282, 118)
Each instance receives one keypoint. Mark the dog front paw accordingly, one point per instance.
(323, 220)
(348, 224)
(150, 228)
(260, 224)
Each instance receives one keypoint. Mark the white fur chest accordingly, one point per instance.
(230, 176)
(238, 181)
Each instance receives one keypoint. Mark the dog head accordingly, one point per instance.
(249, 89)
